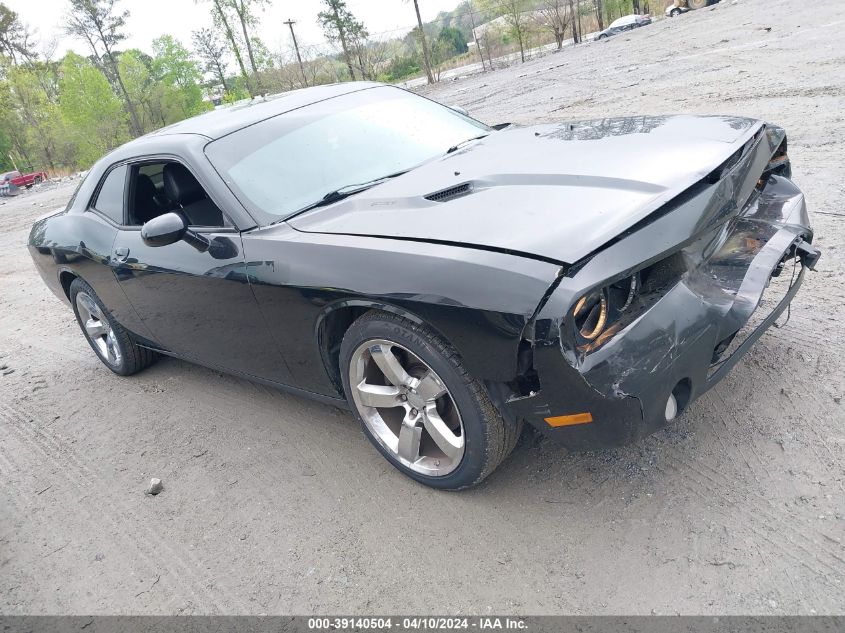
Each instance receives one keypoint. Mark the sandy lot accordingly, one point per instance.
(274, 504)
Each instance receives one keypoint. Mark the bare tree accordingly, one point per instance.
(15, 37)
(555, 17)
(374, 56)
(211, 49)
(100, 25)
(424, 44)
(517, 16)
(600, 14)
(244, 11)
(575, 10)
(223, 23)
(339, 25)
(491, 40)
(16, 41)
(474, 33)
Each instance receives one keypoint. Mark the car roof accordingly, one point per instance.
(226, 120)
(625, 19)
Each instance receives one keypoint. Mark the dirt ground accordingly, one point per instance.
(275, 504)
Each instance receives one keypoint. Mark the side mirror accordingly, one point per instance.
(164, 230)
(459, 109)
(170, 228)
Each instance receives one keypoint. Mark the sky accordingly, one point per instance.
(150, 18)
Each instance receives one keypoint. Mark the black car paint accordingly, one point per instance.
(556, 192)
(265, 302)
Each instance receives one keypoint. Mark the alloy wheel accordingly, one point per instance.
(407, 407)
(97, 329)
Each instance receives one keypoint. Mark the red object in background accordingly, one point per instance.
(22, 180)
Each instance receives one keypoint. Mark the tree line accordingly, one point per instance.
(61, 114)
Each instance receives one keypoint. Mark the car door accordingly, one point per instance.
(91, 236)
(198, 305)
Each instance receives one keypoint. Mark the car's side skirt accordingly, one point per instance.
(334, 401)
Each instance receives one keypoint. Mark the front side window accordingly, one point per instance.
(284, 164)
(157, 188)
(110, 198)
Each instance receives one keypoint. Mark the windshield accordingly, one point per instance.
(287, 163)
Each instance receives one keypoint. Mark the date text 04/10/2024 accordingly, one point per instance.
(426, 623)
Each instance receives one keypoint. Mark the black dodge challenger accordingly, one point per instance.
(444, 279)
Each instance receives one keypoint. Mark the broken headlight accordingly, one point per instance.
(602, 312)
(598, 315)
(594, 311)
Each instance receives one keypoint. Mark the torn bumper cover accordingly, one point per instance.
(620, 347)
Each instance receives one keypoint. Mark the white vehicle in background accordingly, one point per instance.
(682, 6)
(625, 23)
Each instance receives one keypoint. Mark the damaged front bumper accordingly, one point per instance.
(735, 266)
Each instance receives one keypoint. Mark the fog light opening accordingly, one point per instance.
(678, 400)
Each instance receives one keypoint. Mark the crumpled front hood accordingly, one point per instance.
(555, 192)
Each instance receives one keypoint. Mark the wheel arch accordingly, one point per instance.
(66, 278)
(490, 344)
(336, 318)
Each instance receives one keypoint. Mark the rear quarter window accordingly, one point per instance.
(110, 198)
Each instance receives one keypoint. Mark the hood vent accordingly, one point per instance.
(450, 193)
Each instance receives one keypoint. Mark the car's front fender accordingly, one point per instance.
(480, 301)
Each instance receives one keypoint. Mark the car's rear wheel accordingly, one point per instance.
(675, 13)
(37, 180)
(418, 404)
(109, 340)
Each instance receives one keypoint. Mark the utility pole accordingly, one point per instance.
(290, 23)
(428, 73)
(477, 43)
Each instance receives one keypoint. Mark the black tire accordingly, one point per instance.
(489, 437)
(674, 13)
(37, 180)
(133, 358)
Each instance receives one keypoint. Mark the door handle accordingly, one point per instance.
(121, 253)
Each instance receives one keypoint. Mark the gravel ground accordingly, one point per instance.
(274, 504)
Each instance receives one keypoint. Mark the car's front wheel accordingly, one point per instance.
(418, 404)
(109, 340)
(675, 13)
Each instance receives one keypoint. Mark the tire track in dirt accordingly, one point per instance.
(32, 436)
(714, 481)
(777, 547)
(27, 444)
(264, 482)
(336, 481)
(763, 503)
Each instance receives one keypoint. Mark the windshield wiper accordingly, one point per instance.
(455, 148)
(343, 192)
